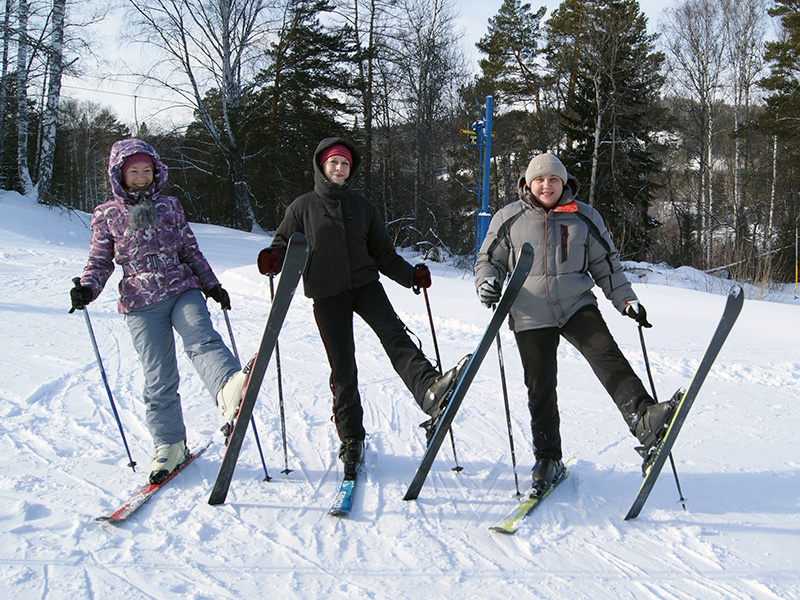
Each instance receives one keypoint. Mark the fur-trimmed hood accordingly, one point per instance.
(121, 150)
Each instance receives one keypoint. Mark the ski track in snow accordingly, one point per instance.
(62, 462)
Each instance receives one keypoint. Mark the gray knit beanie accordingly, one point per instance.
(545, 164)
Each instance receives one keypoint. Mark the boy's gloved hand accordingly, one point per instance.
(219, 294)
(636, 311)
(268, 262)
(489, 292)
(421, 278)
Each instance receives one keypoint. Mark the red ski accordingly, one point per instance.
(144, 494)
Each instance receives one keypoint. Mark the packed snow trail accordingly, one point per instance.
(62, 462)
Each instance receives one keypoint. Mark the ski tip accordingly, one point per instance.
(411, 495)
(527, 248)
(632, 514)
(502, 530)
(297, 238)
(107, 520)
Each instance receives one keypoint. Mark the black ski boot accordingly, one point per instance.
(546, 472)
(350, 453)
(438, 395)
(650, 428)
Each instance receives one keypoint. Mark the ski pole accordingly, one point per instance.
(508, 410)
(457, 468)
(252, 418)
(131, 462)
(655, 397)
(286, 469)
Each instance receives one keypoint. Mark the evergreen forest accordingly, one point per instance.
(683, 134)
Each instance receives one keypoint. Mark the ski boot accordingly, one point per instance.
(438, 396)
(167, 458)
(546, 472)
(351, 453)
(651, 427)
(229, 397)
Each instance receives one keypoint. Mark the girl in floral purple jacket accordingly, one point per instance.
(164, 277)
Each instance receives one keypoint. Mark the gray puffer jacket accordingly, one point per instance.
(159, 260)
(572, 252)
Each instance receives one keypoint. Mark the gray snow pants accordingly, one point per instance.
(151, 330)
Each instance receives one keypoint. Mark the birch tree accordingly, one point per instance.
(428, 63)
(609, 117)
(695, 41)
(5, 58)
(50, 116)
(212, 44)
(23, 47)
(369, 23)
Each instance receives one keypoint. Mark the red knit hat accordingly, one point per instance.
(136, 158)
(335, 150)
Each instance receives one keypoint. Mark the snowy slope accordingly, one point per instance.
(62, 462)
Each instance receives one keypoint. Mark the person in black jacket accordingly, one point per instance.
(348, 248)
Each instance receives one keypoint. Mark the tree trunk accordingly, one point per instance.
(4, 72)
(22, 99)
(50, 116)
(598, 122)
(773, 195)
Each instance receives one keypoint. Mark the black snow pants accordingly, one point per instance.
(588, 332)
(334, 318)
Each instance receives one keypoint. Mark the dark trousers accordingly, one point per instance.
(334, 318)
(588, 332)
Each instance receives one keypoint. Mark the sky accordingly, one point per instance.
(475, 15)
(143, 103)
(736, 536)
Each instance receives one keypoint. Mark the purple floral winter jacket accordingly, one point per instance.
(158, 261)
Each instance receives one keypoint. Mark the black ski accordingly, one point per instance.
(524, 263)
(292, 269)
(658, 456)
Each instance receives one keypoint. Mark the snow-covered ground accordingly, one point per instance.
(62, 462)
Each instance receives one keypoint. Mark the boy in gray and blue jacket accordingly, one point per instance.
(573, 252)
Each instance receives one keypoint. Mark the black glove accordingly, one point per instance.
(421, 278)
(636, 311)
(219, 294)
(489, 292)
(80, 295)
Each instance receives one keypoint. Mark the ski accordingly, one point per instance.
(531, 502)
(143, 495)
(523, 267)
(343, 501)
(293, 265)
(658, 456)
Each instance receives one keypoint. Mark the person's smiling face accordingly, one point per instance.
(138, 176)
(336, 169)
(547, 190)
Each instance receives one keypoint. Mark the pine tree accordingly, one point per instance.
(511, 73)
(780, 120)
(609, 116)
(302, 94)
